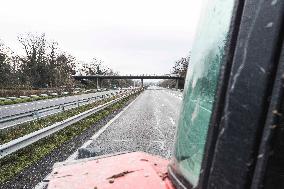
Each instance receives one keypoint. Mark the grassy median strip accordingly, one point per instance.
(26, 128)
(18, 161)
(31, 99)
(23, 100)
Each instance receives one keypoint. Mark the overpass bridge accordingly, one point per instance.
(99, 78)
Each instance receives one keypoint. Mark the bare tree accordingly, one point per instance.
(34, 64)
(65, 68)
(180, 68)
(44, 64)
(9, 67)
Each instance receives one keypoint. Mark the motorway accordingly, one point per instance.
(147, 125)
(21, 108)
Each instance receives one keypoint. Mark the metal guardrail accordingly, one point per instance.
(36, 113)
(45, 109)
(31, 138)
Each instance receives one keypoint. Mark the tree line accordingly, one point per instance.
(97, 67)
(180, 68)
(42, 65)
(45, 65)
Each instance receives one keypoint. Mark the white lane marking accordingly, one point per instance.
(38, 102)
(51, 100)
(19, 105)
(6, 107)
(26, 104)
(172, 121)
(97, 134)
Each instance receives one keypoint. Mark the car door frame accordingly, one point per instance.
(243, 98)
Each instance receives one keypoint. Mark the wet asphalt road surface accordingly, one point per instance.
(148, 125)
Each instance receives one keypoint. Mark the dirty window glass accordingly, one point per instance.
(200, 88)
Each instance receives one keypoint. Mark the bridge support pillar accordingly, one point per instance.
(142, 84)
(99, 83)
(177, 83)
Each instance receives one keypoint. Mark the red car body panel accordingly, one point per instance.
(130, 170)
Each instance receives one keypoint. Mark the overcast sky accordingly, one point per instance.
(130, 36)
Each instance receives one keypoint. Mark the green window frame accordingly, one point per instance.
(200, 86)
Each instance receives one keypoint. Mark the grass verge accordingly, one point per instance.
(23, 100)
(18, 161)
(31, 99)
